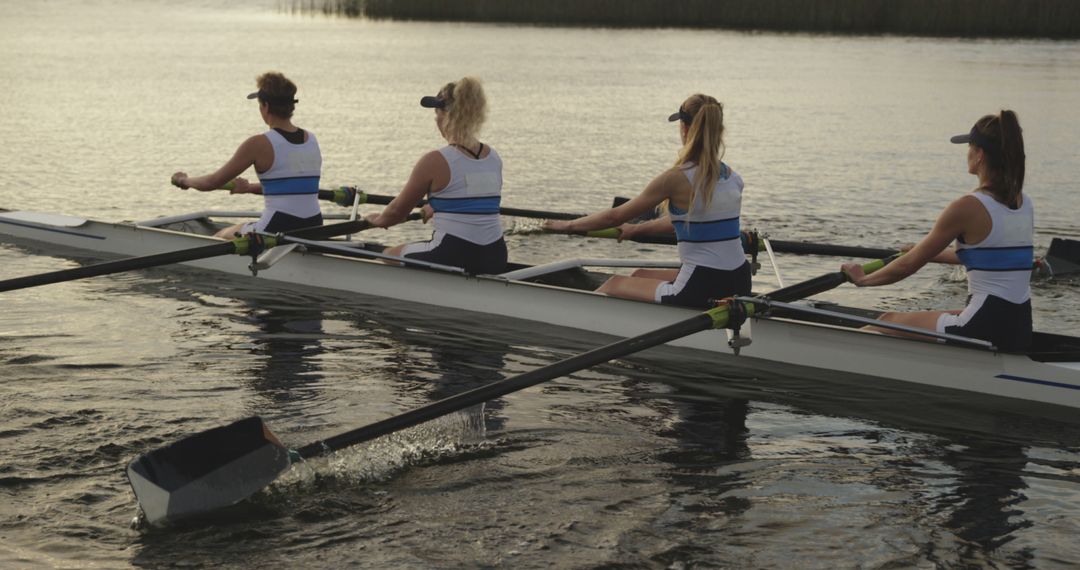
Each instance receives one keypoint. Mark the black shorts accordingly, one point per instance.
(445, 249)
(1007, 325)
(699, 287)
(282, 222)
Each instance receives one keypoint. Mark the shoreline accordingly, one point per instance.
(1051, 19)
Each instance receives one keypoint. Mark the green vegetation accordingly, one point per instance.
(965, 18)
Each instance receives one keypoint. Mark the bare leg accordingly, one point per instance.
(637, 288)
(229, 232)
(920, 319)
(661, 274)
(396, 250)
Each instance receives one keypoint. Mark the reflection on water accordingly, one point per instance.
(288, 344)
(987, 503)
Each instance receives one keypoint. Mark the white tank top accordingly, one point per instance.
(291, 184)
(468, 207)
(1000, 265)
(709, 237)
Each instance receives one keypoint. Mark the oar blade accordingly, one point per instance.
(1064, 256)
(206, 471)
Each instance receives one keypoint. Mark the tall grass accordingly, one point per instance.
(992, 18)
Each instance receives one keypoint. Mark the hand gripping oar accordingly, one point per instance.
(225, 465)
(244, 245)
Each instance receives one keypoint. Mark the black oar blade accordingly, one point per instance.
(1064, 256)
(206, 471)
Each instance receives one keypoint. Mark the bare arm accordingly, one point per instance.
(657, 191)
(660, 225)
(244, 157)
(947, 256)
(424, 173)
(951, 223)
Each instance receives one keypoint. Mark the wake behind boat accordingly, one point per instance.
(812, 340)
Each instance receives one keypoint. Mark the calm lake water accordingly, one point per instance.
(661, 461)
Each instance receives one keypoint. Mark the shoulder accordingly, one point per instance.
(432, 159)
(674, 177)
(670, 182)
(968, 203)
(962, 210)
(256, 143)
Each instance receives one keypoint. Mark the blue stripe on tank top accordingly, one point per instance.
(479, 205)
(294, 185)
(997, 258)
(717, 230)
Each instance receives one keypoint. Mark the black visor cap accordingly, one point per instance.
(432, 102)
(681, 116)
(271, 99)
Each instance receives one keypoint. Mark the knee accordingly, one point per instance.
(890, 316)
(610, 285)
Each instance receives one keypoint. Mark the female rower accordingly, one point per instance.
(287, 161)
(994, 231)
(702, 197)
(463, 183)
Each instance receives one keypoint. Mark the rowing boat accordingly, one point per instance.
(809, 339)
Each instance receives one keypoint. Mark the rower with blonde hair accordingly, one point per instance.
(463, 184)
(702, 199)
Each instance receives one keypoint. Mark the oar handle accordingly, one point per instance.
(824, 283)
(342, 196)
(614, 233)
(713, 318)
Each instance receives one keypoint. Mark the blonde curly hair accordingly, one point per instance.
(466, 109)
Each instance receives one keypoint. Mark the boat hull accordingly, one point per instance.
(817, 350)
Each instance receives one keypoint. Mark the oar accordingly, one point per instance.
(1063, 257)
(244, 245)
(780, 246)
(344, 197)
(225, 465)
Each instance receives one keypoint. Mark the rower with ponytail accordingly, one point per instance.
(701, 199)
(993, 227)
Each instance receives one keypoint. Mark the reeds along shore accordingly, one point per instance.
(965, 18)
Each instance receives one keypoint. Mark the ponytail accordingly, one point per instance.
(704, 145)
(1012, 158)
(1003, 147)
